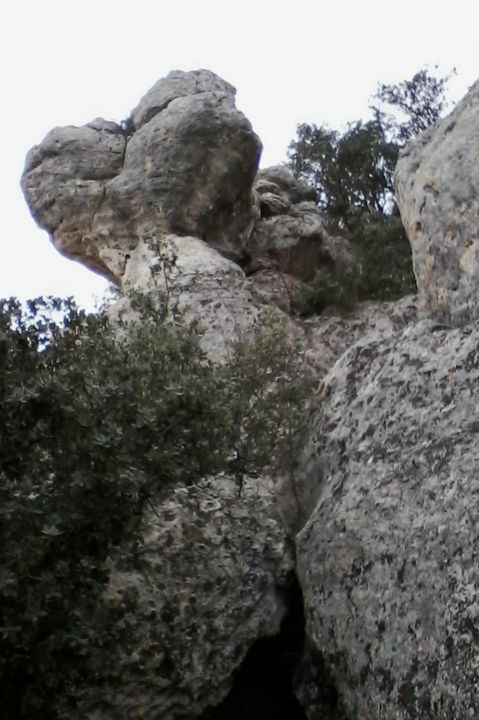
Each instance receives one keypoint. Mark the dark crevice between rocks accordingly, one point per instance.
(263, 686)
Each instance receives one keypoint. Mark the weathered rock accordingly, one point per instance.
(178, 84)
(64, 183)
(388, 559)
(290, 231)
(186, 168)
(200, 284)
(329, 335)
(437, 185)
(216, 569)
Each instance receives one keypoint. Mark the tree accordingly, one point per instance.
(419, 101)
(352, 173)
(94, 428)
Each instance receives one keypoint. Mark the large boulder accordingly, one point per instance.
(437, 185)
(183, 163)
(388, 558)
(215, 574)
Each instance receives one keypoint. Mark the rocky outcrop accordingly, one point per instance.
(437, 185)
(387, 560)
(183, 163)
(290, 232)
(214, 577)
(200, 284)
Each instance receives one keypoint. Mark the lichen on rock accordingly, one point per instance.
(387, 559)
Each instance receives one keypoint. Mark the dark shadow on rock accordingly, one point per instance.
(262, 689)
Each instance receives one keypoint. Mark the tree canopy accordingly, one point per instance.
(352, 172)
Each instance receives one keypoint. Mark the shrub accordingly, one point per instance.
(383, 271)
(93, 430)
(326, 289)
(385, 258)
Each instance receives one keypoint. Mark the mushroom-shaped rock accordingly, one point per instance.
(183, 163)
(437, 185)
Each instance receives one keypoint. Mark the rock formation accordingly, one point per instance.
(386, 561)
(437, 184)
(183, 163)
(218, 569)
(291, 233)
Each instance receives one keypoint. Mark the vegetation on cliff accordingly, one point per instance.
(352, 172)
(93, 430)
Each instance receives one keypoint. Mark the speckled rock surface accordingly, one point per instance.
(217, 570)
(290, 231)
(437, 186)
(329, 335)
(184, 163)
(388, 559)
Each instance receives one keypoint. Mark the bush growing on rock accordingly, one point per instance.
(94, 430)
(326, 289)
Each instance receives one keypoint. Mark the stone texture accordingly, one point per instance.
(64, 183)
(163, 203)
(388, 559)
(175, 85)
(201, 285)
(290, 231)
(437, 185)
(184, 163)
(217, 569)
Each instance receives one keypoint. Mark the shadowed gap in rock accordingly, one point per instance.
(262, 689)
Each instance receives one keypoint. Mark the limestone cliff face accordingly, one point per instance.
(388, 484)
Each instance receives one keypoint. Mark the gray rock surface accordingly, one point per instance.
(201, 285)
(388, 559)
(175, 85)
(183, 164)
(290, 231)
(216, 570)
(388, 492)
(437, 185)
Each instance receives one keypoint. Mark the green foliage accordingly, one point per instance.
(419, 102)
(93, 430)
(384, 270)
(326, 289)
(352, 173)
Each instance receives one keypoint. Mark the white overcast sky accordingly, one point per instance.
(64, 63)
